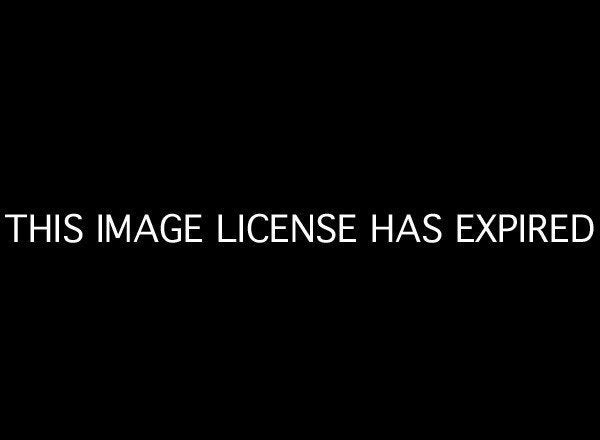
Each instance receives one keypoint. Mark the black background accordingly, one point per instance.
(386, 112)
